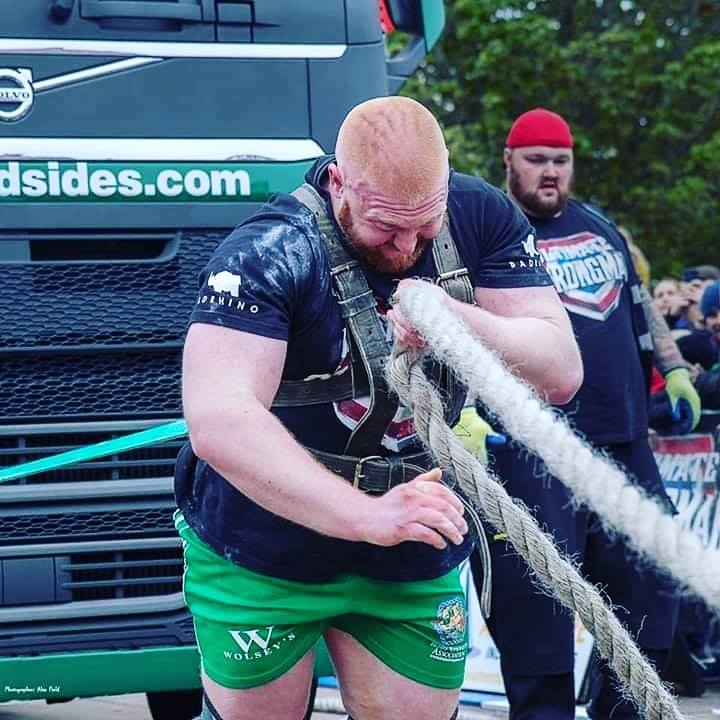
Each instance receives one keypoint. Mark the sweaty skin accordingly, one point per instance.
(390, 208)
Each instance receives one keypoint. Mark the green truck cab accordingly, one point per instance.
(134, 134)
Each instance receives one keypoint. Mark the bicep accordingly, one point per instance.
(224, 367)
(540, 302)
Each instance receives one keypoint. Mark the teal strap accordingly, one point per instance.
(158, 434)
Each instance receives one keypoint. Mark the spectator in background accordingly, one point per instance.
(710, 309)
(708, 383)
(694, 281)
(612, 318)
(699, 345)
(669, 301)
(693, 658)
(705, 374)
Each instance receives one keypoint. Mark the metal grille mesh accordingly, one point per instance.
(77, 526)
(66, 304)
(98, 340)
(86, 386)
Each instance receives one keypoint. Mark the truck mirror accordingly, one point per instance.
(423, 21)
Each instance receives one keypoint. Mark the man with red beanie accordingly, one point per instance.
(590, 265)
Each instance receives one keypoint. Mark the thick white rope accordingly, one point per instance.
(592, 478)
(557, 575)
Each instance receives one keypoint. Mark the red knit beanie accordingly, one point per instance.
(539, 127)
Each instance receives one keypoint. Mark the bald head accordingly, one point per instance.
(394, 145)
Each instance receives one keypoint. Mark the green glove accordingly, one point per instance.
(684, 400)
(476, 434)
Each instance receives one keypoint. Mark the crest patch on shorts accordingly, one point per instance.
(450, 626)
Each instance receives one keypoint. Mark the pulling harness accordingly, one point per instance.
(360, 462)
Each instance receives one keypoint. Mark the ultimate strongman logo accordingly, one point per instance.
(587, 271)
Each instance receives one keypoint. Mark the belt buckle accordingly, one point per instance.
(343, 267)
(450, 275)
(358, 475)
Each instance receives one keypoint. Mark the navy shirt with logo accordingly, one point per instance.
(590, 266)
(271, 277)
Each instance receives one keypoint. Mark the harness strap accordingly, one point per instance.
(375, 474)
(357, 306)
(294, 393)
(453, 277)
(369, 472)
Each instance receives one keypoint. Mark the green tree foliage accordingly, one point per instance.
(639, 83)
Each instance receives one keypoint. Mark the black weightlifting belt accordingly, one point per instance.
(375, 474)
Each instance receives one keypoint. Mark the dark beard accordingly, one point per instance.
(373, 257)
(530, 200)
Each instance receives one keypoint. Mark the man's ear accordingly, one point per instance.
(336, 183)
(507, 154)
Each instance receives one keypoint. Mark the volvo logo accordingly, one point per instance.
(16, 93)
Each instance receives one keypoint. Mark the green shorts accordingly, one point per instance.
(252, 628)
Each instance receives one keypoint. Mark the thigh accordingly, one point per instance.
(256, 662)
(250, 628)
(371, 690)
(644, 600)
(525, 478)
(638, 460)
(418, 629)
(240, 656)
(282, 699)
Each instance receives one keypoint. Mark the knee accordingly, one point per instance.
(365, 708)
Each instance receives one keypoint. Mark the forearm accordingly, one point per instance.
(253, 451)
(541, 350)
(666, 355)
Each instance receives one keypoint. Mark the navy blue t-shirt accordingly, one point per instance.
(271, 277)
(590, 266)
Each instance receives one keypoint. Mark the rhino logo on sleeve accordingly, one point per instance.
(225, 282)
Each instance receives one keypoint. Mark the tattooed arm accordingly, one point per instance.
(666, 354)
(684, 399)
